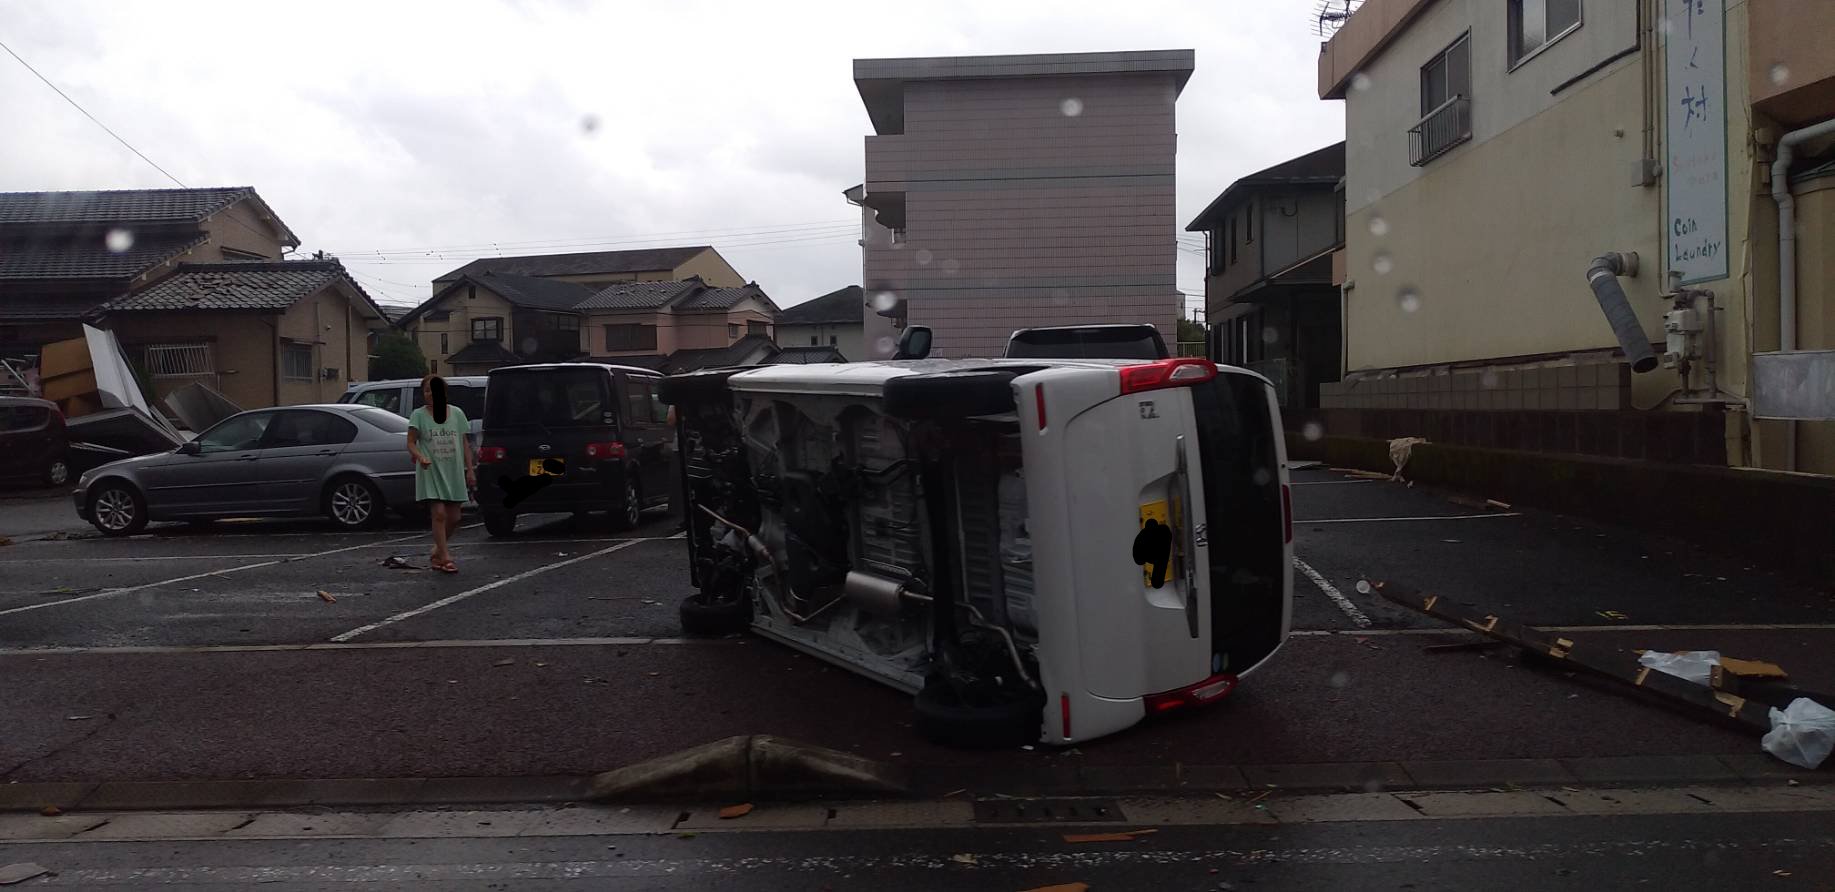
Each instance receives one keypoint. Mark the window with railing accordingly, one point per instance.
(1446, 103)
(179, 360)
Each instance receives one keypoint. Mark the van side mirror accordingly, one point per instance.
(914, 343)
(189, 448)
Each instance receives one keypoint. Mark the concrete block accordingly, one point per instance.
(880, 815)
(1446, 773)
(762, 817)
(1587, 398)
(1567, 376)
(482, 790)
(1649, 769)
(169, 825)
(444, 824)
(1567, 398)
(289, 825)
(1611, 398)
(1482, 804)
(32, 797)
(177, 794)
(20, 827)
(757, 766)
(1127, 778)
(1340, 807)
(1200, 811)
(1212, 777)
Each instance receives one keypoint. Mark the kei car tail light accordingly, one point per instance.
(1064, 704)
(492, 454)
(1178, 372)
(1211, 689)
(609, 450)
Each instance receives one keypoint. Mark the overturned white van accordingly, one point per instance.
(1039, 550)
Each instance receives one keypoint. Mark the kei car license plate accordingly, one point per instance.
(552, 467)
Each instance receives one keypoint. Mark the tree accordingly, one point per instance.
(397, 356)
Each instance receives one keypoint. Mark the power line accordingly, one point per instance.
(98, 122)
(582, 241)
(462, 258)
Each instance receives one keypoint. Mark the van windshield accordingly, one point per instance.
(548, 398)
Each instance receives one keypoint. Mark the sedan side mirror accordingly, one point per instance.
(914, 343)
(190, 448)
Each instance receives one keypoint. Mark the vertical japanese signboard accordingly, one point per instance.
(1695, 132)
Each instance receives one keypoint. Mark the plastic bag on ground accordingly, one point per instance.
(1693, 665)
(1801, 733)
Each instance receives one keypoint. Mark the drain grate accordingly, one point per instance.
(1047, 811)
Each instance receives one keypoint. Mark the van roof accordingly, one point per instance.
(474, 380)
(866, 376)
(537, 366)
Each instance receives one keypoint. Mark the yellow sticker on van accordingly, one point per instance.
(1153, 548)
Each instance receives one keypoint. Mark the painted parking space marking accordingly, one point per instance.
(109, 593)
(437, 644)
(1328, 482)
(1331, 591)
(151, 557)
(1298, 522)
(454, 599)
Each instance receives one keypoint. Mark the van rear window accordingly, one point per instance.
(548, 398)
(1242, 503)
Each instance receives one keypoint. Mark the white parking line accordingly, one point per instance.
(151, 557)
(454, 599)
(1327, 482)
(1331, 591)
(1580, 630)
(363, 645)
(1298, 522)
(109, 593)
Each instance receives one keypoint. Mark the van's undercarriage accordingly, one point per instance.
(886, 533)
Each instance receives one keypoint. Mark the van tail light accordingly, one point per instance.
(1064, 704)
(603, 451)
(1287, 511)
(1039, 392)
(1209, 690)
(1179, 372)
(492, 454)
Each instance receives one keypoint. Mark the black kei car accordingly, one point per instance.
(573, 437)
(34, 448)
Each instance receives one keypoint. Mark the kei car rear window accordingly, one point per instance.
(548, 398)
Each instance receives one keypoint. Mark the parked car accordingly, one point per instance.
(573, 437)
(1040, 550)
(346, 462)
(34, 448)
(403, 395)
(1118, 341)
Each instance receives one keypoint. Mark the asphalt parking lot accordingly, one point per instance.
(192, 652)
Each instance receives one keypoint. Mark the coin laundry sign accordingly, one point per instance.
(1696, 136)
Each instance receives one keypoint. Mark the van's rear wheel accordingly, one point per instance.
(630, 510)
(943, 718)
(499, 524)
(702, 615)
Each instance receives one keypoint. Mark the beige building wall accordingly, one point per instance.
(239, 227)
(335, 332)
(241, 346)
(699, 331)
(465, 303)
(712, 268)
(1493, 238)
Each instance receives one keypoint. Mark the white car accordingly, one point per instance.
(1040, 550)
(403, 395)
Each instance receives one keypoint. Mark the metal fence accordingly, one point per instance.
(1440, 130)
(179, 361)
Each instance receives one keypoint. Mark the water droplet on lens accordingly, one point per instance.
(1663, 25)
(1312, 431)
(1363, 587)
(1408, 299)
(884, 300)
(1261, 477)
(1378, 226)
(1071, 107)
(589, 124)
(118, 240)
(1360, 82)
(1269, 335)
(885, 346)
(1488, 380)
(1340, 679)
(1780, 73)
(923, 256)
(530, 345)
(1382, 264)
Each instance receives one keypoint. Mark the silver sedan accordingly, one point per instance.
(346, 462)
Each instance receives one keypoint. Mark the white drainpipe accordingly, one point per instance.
(1787, 254)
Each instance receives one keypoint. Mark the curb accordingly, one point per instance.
(928, 781)
(756, 766)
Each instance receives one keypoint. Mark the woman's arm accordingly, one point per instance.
(414, 448)
(471, 462)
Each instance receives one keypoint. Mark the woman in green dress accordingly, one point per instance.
(445, 469)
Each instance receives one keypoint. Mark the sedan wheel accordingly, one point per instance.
(117, 510)
(58, 473)
(630, 513)
(354, 503)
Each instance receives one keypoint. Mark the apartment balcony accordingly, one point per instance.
(1440, 130)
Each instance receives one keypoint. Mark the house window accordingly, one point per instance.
(755, 327)
(487, 328)
(443, 350)
(833, 340)
(813, 340)
(179, 360)
(296, 362)
(630, 336)
(560, 322)
(234, 256)
(1215, 249)
(732, 331)
(1446, 103)
(1535, 24)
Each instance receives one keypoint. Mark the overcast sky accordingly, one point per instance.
(434, 131)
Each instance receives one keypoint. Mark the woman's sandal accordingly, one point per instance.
(447, 567)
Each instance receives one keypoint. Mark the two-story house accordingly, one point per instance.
(1269, 298)
(671, 324)
(833, 321)
(63, 254)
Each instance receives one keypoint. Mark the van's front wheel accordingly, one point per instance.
(944, 718)
(705, 615)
